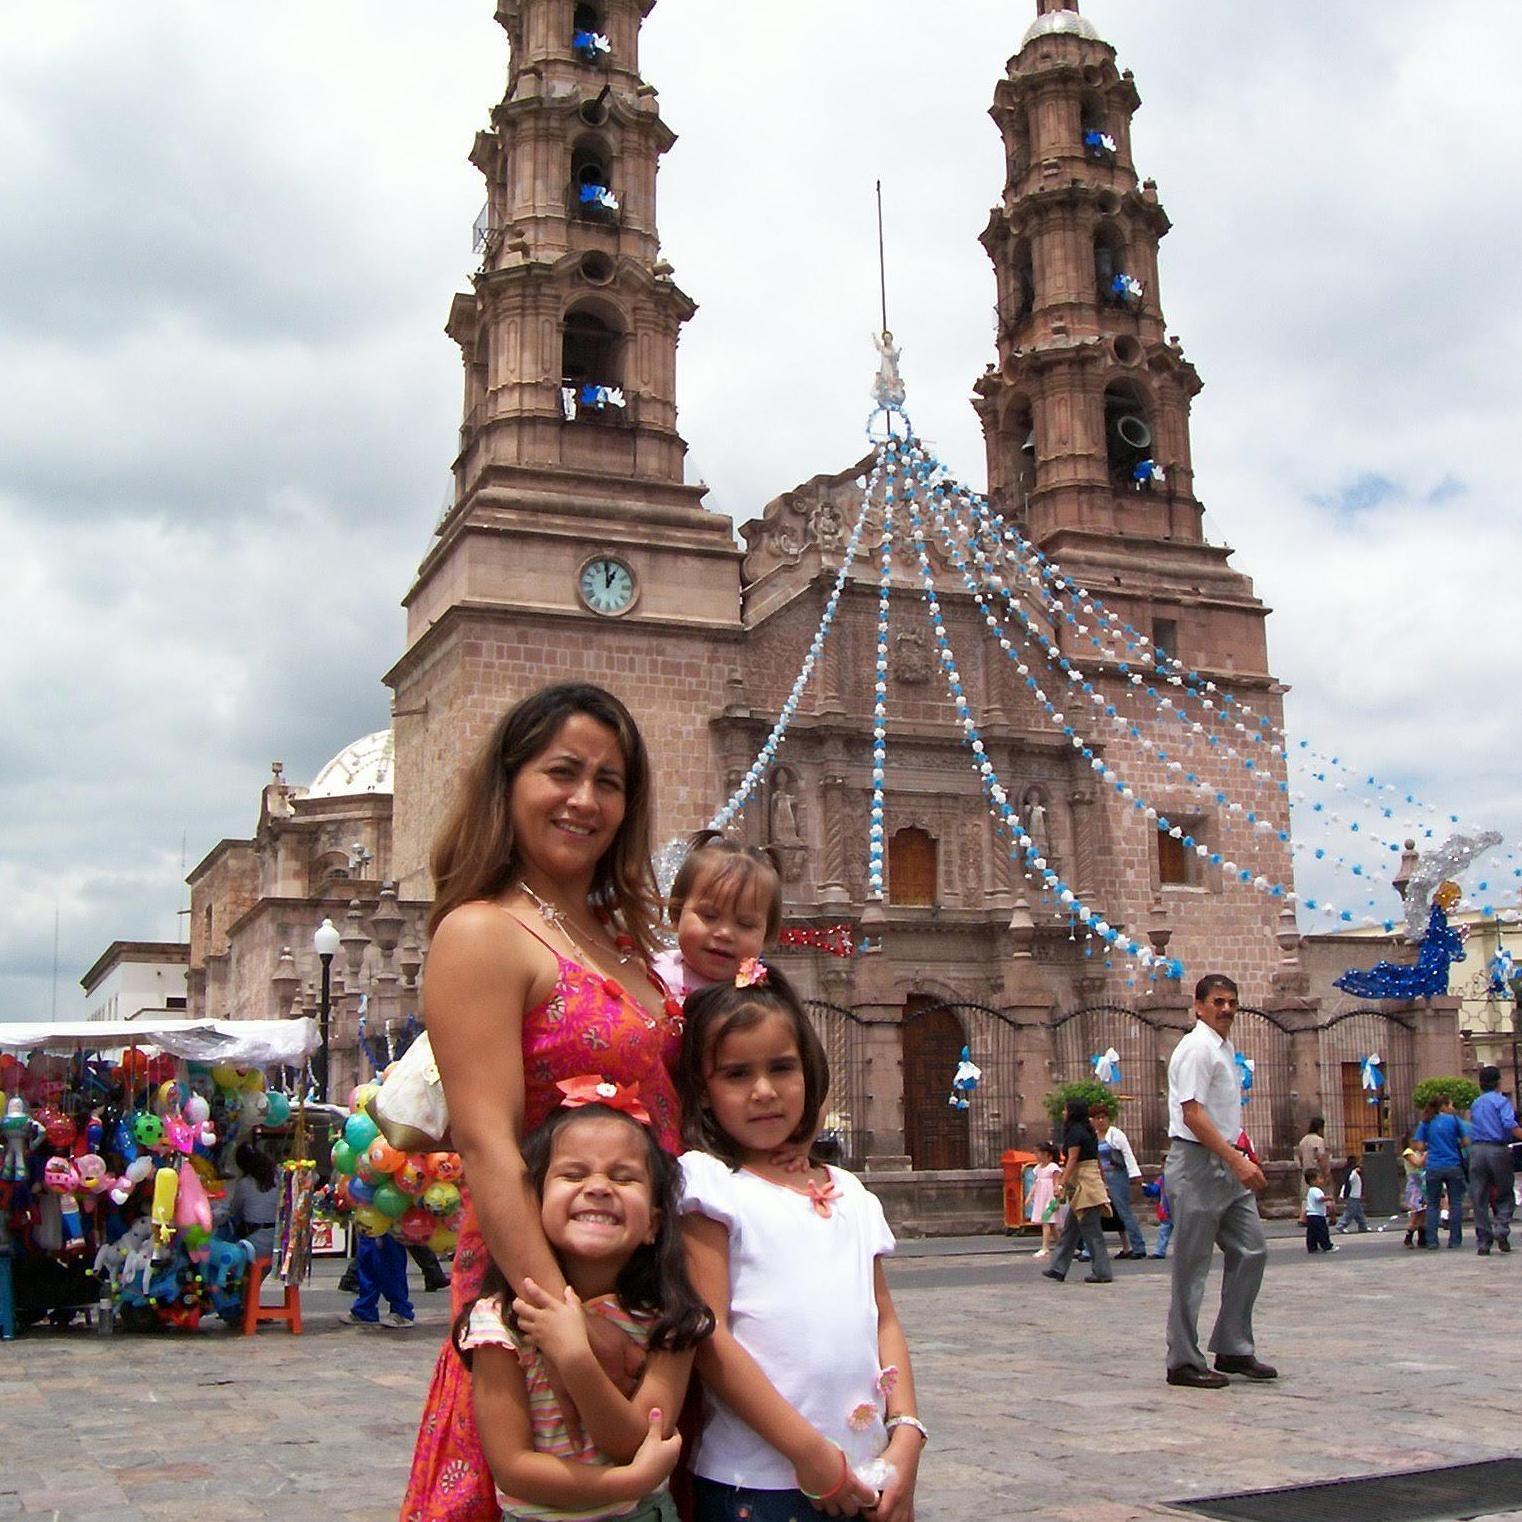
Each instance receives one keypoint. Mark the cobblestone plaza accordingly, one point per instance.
(1044, 1400)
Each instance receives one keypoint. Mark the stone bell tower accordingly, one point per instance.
(1086, 418)
(572, 549)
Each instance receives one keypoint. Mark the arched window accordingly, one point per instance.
(1020, 454)
(592, 194)
(590, 350)
(1128, 432)
(1109, 261)
(588, 39)
(912, 868)
(1023, 278)
(1093, 129)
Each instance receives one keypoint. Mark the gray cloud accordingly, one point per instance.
(231, 239)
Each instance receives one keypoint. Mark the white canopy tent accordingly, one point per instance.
(243, 1043)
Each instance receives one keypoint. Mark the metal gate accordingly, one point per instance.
(936, 1133)
(1342, 1044)
(843, 1035)
(1268, 1111)
(1143, 1046)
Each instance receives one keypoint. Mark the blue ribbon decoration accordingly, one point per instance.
(1373, 1077)
(1106, 1065)
(1427, 976)
(1245, 1068)
(591, 45)
(966, 1080)
(1504, 974)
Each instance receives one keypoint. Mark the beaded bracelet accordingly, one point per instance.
(839, 1485)
(907, 1421)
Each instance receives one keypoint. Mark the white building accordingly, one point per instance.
(135, 978)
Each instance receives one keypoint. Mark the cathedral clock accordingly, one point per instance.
(607, 586)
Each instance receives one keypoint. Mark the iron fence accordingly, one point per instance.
(1343, 1043)
(844, 1036)
(937, 1134)
(1268, 1110)
(1143, 1046)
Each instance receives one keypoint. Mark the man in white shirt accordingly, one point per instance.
(1211, 1186)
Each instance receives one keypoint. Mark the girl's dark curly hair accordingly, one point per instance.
(722, 1010)
(654, 1281)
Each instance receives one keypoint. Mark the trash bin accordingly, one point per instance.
(1381, 1177)
(1015, 1165)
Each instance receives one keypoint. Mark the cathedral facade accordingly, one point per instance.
(573, 550)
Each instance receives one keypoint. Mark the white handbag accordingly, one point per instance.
(409, 1105)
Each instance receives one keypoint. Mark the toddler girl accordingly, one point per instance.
(608, 1202)
(726, 904)
(1044, 1206)
(808, 1394)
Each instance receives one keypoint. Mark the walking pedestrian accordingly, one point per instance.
(1311, 1151)
(1158, 1190)
(1083, 1188)
(1443, 1137)
(1313, 1217)
(1118, 1165)
(381, 1264)
(1212, 1187)
(1491, 1173)
(1413, 1195)
(1352, 1199)
(1045, 1209)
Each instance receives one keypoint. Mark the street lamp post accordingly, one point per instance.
(325, 943)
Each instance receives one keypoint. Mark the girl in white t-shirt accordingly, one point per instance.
(808, 1394)
(608, 1202)
(726, 904)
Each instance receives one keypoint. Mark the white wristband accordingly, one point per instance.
(907, 1421)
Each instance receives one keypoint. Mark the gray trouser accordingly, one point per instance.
(1491, 1168)
(1211, 1209)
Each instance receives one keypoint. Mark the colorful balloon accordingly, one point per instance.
(278, 1108)
(148, 1129)
(384, 1158)
(372, 1222)
(343, 1157)
(360, 1131)
(447, 1166)
(411, 1178)
(390, 1201)
(361, 1192)
(416, 1226)
(442, 1240)
(441, 1198)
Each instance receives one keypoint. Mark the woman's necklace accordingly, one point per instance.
(557, 919)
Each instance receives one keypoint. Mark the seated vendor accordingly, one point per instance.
(250, 1205)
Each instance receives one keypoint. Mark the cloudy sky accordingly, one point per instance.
(232, 234)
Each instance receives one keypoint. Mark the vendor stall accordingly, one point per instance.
(117, 1138)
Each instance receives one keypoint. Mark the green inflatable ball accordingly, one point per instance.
(360, 1131)
(279, 1108)
(343, 1157)
(390, 1201)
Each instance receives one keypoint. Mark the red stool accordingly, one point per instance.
(288, 1311)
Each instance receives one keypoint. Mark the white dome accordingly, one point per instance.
(363, 767)
(1069, 22)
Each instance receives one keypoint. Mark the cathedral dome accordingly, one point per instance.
(1069, 22)
(362, 767)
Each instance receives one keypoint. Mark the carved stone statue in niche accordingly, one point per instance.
(1034, 816)
(784, 809)
(829, 526)
(911, 658)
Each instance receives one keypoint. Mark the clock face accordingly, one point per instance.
(606, 585)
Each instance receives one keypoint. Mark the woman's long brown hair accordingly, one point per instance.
(474, 855)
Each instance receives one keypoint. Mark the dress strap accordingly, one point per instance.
(559, 956)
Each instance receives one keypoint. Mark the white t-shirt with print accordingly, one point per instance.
(802, 1303)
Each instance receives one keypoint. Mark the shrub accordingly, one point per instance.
(1462, 1091)
(1090, 1089)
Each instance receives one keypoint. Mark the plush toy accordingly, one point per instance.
(139, 1260)
(135, 1172)
(60, 1176)
(112, 1257)
(21, 1134)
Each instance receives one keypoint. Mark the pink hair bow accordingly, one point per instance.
(594, 1089)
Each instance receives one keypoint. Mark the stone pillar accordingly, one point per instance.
(884, 1014)
(1291, 1003)
(1027, 1000)
(1437, 1047)
(1082, 867)
(834, 827)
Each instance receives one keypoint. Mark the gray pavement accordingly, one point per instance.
(1044, 1400)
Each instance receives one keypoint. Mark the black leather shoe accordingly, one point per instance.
(1503, 1244)
(1095, 1279)
(1482, 1252)
(1051, 1273)
(1245, 1363)
(1196, 1378)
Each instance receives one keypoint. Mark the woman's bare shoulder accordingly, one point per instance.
(481, 926)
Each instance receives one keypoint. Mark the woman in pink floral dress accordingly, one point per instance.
(537, 971)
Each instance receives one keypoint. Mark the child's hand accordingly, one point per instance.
(903, 1454)
(654, 1459)
(558, 1328)
(821, 1474)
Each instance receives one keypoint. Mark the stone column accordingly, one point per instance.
(834, 826)
(1081, 868)
(876, 1004)
(1437, 1047)
(1290, 1000)
(1027, 1000)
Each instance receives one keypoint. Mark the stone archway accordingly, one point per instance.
(932, 1035)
